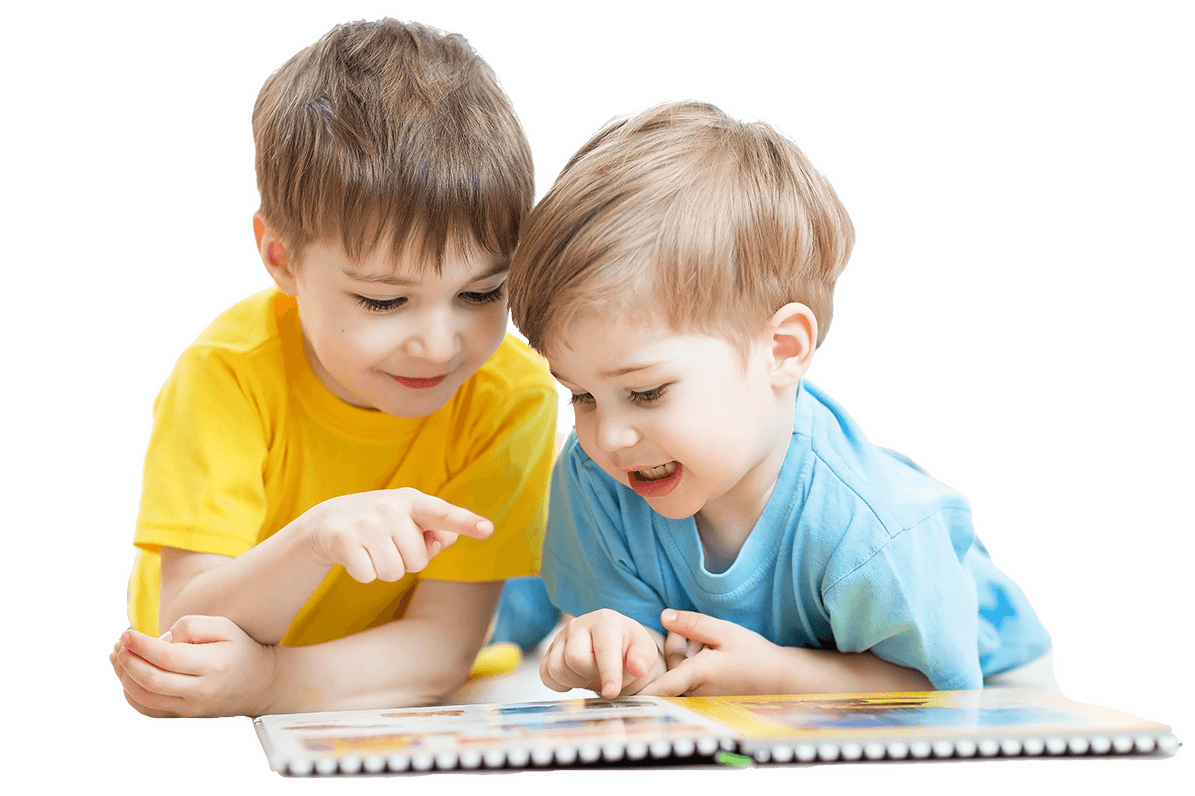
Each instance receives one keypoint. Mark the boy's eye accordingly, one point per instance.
(584, 399)
(484, 298)
(648, 396)
(380, 305)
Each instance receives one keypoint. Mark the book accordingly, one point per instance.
(735, 730)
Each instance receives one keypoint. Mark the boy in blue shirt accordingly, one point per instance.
(717, 524)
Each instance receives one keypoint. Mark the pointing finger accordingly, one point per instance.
(608, 650)
(433, 514)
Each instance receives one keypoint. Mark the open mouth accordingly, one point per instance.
(655, 473)
(656, 481)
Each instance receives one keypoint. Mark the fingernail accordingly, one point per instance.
(668, 616)
(690, 649)
(435, 548)
(167, 636)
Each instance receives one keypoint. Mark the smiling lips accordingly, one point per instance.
(419, 384)
(656, 481)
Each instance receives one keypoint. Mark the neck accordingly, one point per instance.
(725, 522)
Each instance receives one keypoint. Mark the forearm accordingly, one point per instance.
(417, 660)
(396, 665)
(812, 671)
(260, 590)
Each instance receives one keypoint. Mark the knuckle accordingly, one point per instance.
(577, 659)
(151, 681)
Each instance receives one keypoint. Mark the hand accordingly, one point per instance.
(678, 649)
(603, 651)
(383, 535)
(202, 666)
(726, 659)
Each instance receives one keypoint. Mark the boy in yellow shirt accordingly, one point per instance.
(319, 449)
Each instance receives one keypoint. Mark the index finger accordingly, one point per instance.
(431, 513)
(609, 647)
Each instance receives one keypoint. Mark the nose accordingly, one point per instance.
(434, 337)
(613, 431)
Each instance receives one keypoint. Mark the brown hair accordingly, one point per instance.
(391, 130)
(715, 222)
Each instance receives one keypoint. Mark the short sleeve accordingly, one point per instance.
(202, 488)
(909, 601)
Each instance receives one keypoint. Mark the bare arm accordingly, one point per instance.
(831, 672)
(207, 667)
(729, 659)
(261, 590)
(417, 660)
(379, 535)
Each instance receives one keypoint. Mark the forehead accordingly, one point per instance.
(602, 343)
(408, 266)
(602, 347)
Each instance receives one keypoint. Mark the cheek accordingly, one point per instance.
(586, 430)
(483, 331)
(583, 425)
(356, 343)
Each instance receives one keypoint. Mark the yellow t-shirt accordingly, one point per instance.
(246, 438)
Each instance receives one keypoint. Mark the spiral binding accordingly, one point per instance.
(946, 748)
(519, 757)
(543, 756)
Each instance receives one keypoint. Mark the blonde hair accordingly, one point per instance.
(715, 222)
(395, 131)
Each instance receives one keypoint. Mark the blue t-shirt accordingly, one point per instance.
(857, 549)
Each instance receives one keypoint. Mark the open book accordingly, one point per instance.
(735, 730)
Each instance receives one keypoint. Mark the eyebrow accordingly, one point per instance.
(401, 281)
(615, 373)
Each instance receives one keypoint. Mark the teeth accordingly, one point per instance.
(657, 472)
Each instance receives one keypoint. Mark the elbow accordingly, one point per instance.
(449, 677)
(444, 677)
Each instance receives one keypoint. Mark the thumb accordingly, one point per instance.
(674, 683)
(694, 626)
(200, 630)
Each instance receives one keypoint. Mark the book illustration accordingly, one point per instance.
(736, 730)
(564, 732)
(989, 722)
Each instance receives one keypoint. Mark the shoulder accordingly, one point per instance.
(848, 472)
(247, 331)
(242, 351)
(516, 367)
(515, 378)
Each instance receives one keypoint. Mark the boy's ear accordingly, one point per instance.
(792, 333)
(274, 255)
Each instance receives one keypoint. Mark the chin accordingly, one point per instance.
(672, 512)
